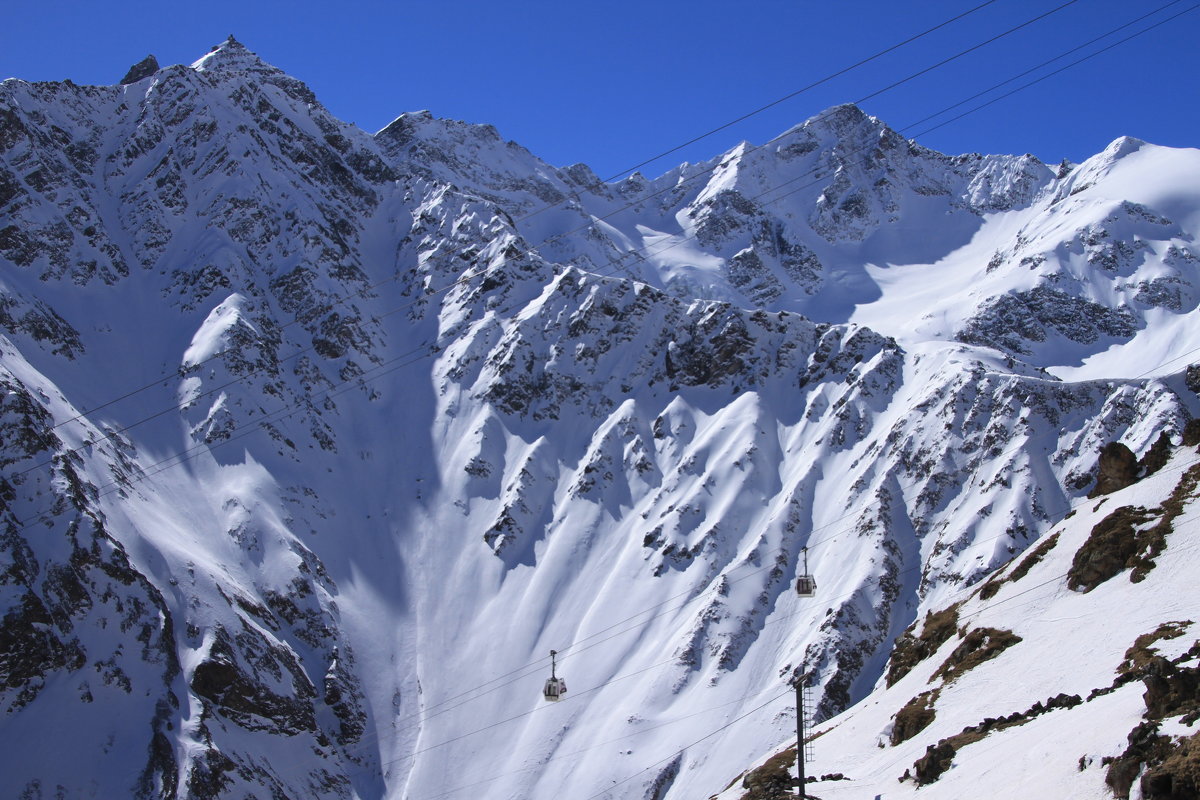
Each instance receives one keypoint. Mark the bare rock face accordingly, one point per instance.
(1015, 322)
(245, 695)
(1192, 377)
(1156, 457)
(1118, 468)
(1112, 548)
(143, 69)
(937, 759)
(1191, 433)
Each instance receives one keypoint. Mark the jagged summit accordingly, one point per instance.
(143, 69)
(234, 60)
(842, 120)
(425, 126)
(229, 53)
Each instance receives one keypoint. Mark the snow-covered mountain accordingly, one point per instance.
(315, 442)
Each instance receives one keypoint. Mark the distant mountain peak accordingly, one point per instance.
(231, 54)
(234, 59)
(1123, 146)
(142, 69)
(844, 121)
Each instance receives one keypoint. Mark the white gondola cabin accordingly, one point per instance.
(806, 584)
(555, 686)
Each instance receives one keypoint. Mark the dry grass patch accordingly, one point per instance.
(978, 646)
(914, 717)
(773, 780)
(1140, 654)
(911, 649)
(1035, 555)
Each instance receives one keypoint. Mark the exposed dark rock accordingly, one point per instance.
(1178, 776)
(714, 353)
(1145, 747)
(1013, 322)
(1142, 652)
(208, 775)
(1170, 767)
(722, 215)
(1192, 377)
(1108, 550)
(1156, 457)
(143, 69)
(665, 779)
(160, 778)
(70, 576)
(990, 588)
(1170, 690)
(42, 323)
(937, 759)
(343, 695)
(256, 678)
(1118, 468)
(753, 278)
(30, 651)
(1123, 540)
(240, 695)
(911, 649)
(1191, 433)
(773, 780)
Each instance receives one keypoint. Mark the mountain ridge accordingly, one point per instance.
(411, 410)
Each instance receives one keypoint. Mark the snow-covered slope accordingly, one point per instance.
(316, 442)
(1070, 673)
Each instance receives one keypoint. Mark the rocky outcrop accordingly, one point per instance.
(914, 717)
(911, 648)
(1125, 539)
(80, 626)
(940, 757)
(233, 679)
(142, 69)
(1167, 766)
(937, 759)
(773, 780)
(1015, 322)
(1117, 467)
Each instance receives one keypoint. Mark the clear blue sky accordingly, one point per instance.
(613, 83)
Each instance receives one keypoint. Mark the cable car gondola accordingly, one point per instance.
(806, 584)
(555, 687)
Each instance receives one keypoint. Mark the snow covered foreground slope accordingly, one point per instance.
(413, 409)
(1073, 672)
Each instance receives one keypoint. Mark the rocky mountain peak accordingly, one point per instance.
(143, 69)
(233, 57)
(234, 63)
(849, 126)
